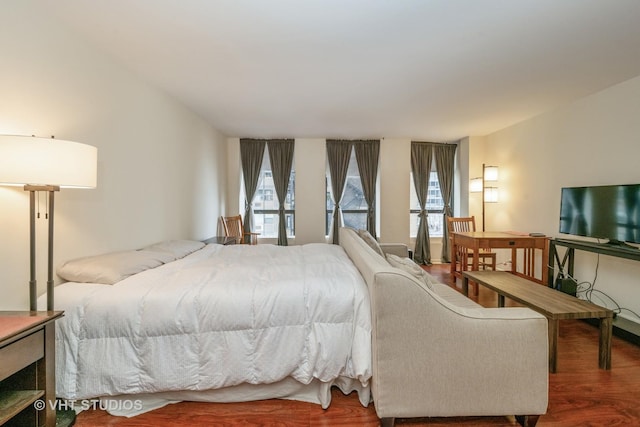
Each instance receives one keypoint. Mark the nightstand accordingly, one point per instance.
(27, 368)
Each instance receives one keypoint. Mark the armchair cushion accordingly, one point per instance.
(371, 241)
(408, 266)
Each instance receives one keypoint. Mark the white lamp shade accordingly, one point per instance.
(490, 173)
(491, 194)
(47, 161)
(475, 185)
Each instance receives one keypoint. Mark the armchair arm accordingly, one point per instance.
(399, 249)
(432, 358)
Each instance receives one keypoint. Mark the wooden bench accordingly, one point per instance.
(554, 305)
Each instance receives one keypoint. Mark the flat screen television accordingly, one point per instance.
(604, 212)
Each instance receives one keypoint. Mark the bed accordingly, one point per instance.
(187, 321)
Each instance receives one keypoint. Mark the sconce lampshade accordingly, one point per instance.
(47, 161)
(475, 185)
(491, 173)
(491, 194)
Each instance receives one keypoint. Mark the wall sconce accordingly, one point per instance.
(479, 185)
(45, 165)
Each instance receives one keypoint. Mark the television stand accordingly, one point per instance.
(621, 244)
(623, 328)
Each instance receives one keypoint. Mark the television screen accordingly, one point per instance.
(605, 212)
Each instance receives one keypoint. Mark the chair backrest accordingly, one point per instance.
(461, 224)
(233, 226)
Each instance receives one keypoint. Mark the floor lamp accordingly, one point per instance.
(45, 165)
(479, 185)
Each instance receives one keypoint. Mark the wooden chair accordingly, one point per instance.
(233, 227)
(486, 258)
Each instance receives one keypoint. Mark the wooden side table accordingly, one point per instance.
(27, 368)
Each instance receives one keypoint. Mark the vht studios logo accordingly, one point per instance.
(86, 404)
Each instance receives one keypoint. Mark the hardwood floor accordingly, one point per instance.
(580, 394)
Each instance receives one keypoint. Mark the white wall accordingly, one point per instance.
(593, 141)
(161, 169)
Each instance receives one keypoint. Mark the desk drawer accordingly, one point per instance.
(21, 353)
(507, 244)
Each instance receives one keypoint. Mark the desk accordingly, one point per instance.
(552, 304)
(465, 242)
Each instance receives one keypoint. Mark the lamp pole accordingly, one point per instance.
(33, 291)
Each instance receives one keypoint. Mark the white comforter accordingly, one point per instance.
(222, 316)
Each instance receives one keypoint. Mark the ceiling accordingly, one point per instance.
(430, 69)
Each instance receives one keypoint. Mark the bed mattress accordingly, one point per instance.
(220, 317)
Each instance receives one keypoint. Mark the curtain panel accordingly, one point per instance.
(444, 156)
(367, 155)
(251, 154)
(281, 157)
(421, 157)
(338, 154)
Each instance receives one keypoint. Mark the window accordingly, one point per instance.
(354, 205)
(266, 204)
(435, 208)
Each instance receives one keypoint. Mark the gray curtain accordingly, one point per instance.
(367, 154)
(444, 156)
(338, 154)
(281, 157)
(421, 155)
(251, 154)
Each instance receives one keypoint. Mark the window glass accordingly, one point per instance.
(265, 202)
(354, 205)
(435, 207)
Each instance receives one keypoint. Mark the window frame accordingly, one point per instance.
(288, 213)
(328, 212)
(429, 211)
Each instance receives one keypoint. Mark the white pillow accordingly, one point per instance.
(407, 265)
(112, 267)
(178, 248)
(371, 241)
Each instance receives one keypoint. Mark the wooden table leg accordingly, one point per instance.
(465, 286)
(476, 267)
(604, 348)
(454, 261)
(553, 345)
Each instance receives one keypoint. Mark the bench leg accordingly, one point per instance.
(604, 349)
